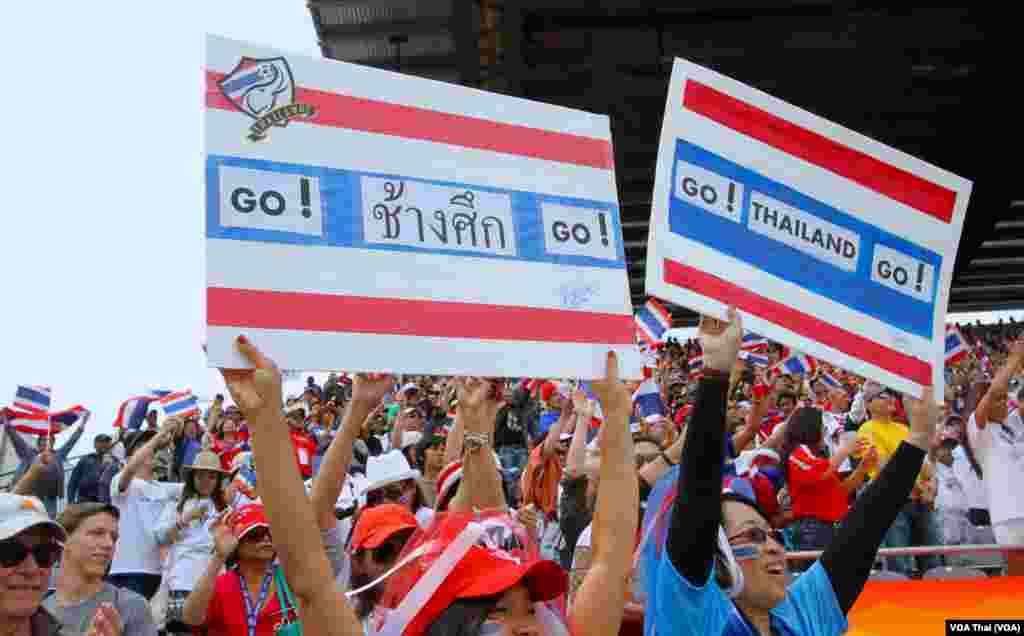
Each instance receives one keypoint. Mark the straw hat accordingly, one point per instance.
(206, 460)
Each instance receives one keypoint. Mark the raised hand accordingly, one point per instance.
(611, 392)
(224, 540)
(475, 394)
(720, 340)
(256, 391)
(370, 388)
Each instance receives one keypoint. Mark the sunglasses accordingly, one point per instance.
(13, 552)
(642, 460)
(759, 536)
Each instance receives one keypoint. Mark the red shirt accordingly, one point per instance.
(814, 488)
(227, 451)
(225, 615)
(305, 450)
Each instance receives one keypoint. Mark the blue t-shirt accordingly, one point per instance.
(677, 608)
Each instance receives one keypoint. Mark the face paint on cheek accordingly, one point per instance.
(747, 552)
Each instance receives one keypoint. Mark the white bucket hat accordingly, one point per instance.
(389, 468)
(18, 514)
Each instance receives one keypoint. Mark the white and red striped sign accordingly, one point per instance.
(370, 220)
(826, 241)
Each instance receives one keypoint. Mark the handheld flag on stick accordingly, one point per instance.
(696, 365)
(755, 359)
(795, 363)
(652, 321)
(956, 348)
(132, 412)
(180, 404)
(647, 399)
(754, 342)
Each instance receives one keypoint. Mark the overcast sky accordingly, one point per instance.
(102, 266)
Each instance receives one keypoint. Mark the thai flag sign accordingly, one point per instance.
(652, 321)
(407, 225)
(32, 399)
(825, 240)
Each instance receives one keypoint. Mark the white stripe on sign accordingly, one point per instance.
(427, 202)
(412, 276)
(576, 231)
(360, 81)
(265, 200)
(903, 273)
(815, 181)
(708, 191)
(310, 145)
(804, 231)
(317, 351)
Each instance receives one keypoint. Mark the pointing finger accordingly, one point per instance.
(252, 354)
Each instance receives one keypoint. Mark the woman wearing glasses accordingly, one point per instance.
(692, 590)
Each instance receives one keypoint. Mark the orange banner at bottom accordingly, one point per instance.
(922, 607)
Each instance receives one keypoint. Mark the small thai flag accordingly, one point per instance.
(32, 423)
(598, 418)
(795, 363)
(696, 365)
(32, 399)
(754, 342)
(132, 412)
(63, 419)
(769, 422)
(755, 359)
(956, 348)
(647, 399)
(652, 321)
(180, 404)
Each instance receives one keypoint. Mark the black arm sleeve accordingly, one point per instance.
(697, 511)
(849, 557)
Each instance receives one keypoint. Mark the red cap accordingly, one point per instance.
(248, 518)
(377, 524)
(486, 571)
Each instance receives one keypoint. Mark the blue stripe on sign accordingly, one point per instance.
(852, 289)
(341, 201)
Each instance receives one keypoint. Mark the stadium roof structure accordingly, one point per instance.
(932, 82)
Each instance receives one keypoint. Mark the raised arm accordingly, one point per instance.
(653, 471)
(139, 457)
(577, 448)
(697, 511)
(480, 487)
(598, 604)
(453, 446)
(555, 432)
(27, 482)
(22, 448)
(367, 392)
(257, 391)
(69, 445)
(741, 439)
(198, 600)
(1000, 384)
(849, 557)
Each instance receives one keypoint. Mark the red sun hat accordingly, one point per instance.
(248, 518)
(377, 524)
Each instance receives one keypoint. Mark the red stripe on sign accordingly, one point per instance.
(798, 322)
(357, 113)
(355, 314)
(931, 198)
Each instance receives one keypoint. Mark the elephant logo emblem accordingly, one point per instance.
(264, 89)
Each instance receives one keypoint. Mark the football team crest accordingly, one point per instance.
(264, 90)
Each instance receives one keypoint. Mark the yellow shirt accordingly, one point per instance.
(886, 436)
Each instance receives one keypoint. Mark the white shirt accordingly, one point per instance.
(834, 429)
(1000, 451)
(975, 495)
(141, 507)
(950, 493)
(191, 553)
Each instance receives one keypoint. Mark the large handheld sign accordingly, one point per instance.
(363, 219)
(826, 240)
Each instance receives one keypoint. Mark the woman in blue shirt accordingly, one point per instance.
(692, 591)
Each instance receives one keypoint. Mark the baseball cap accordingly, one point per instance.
(873, 390)
(377, 524)
(484, 569)
(102, 437)
(409, 387)
(18, 514)
(248, 518)
(411, 438)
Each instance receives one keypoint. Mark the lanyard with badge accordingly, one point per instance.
(252, 613)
